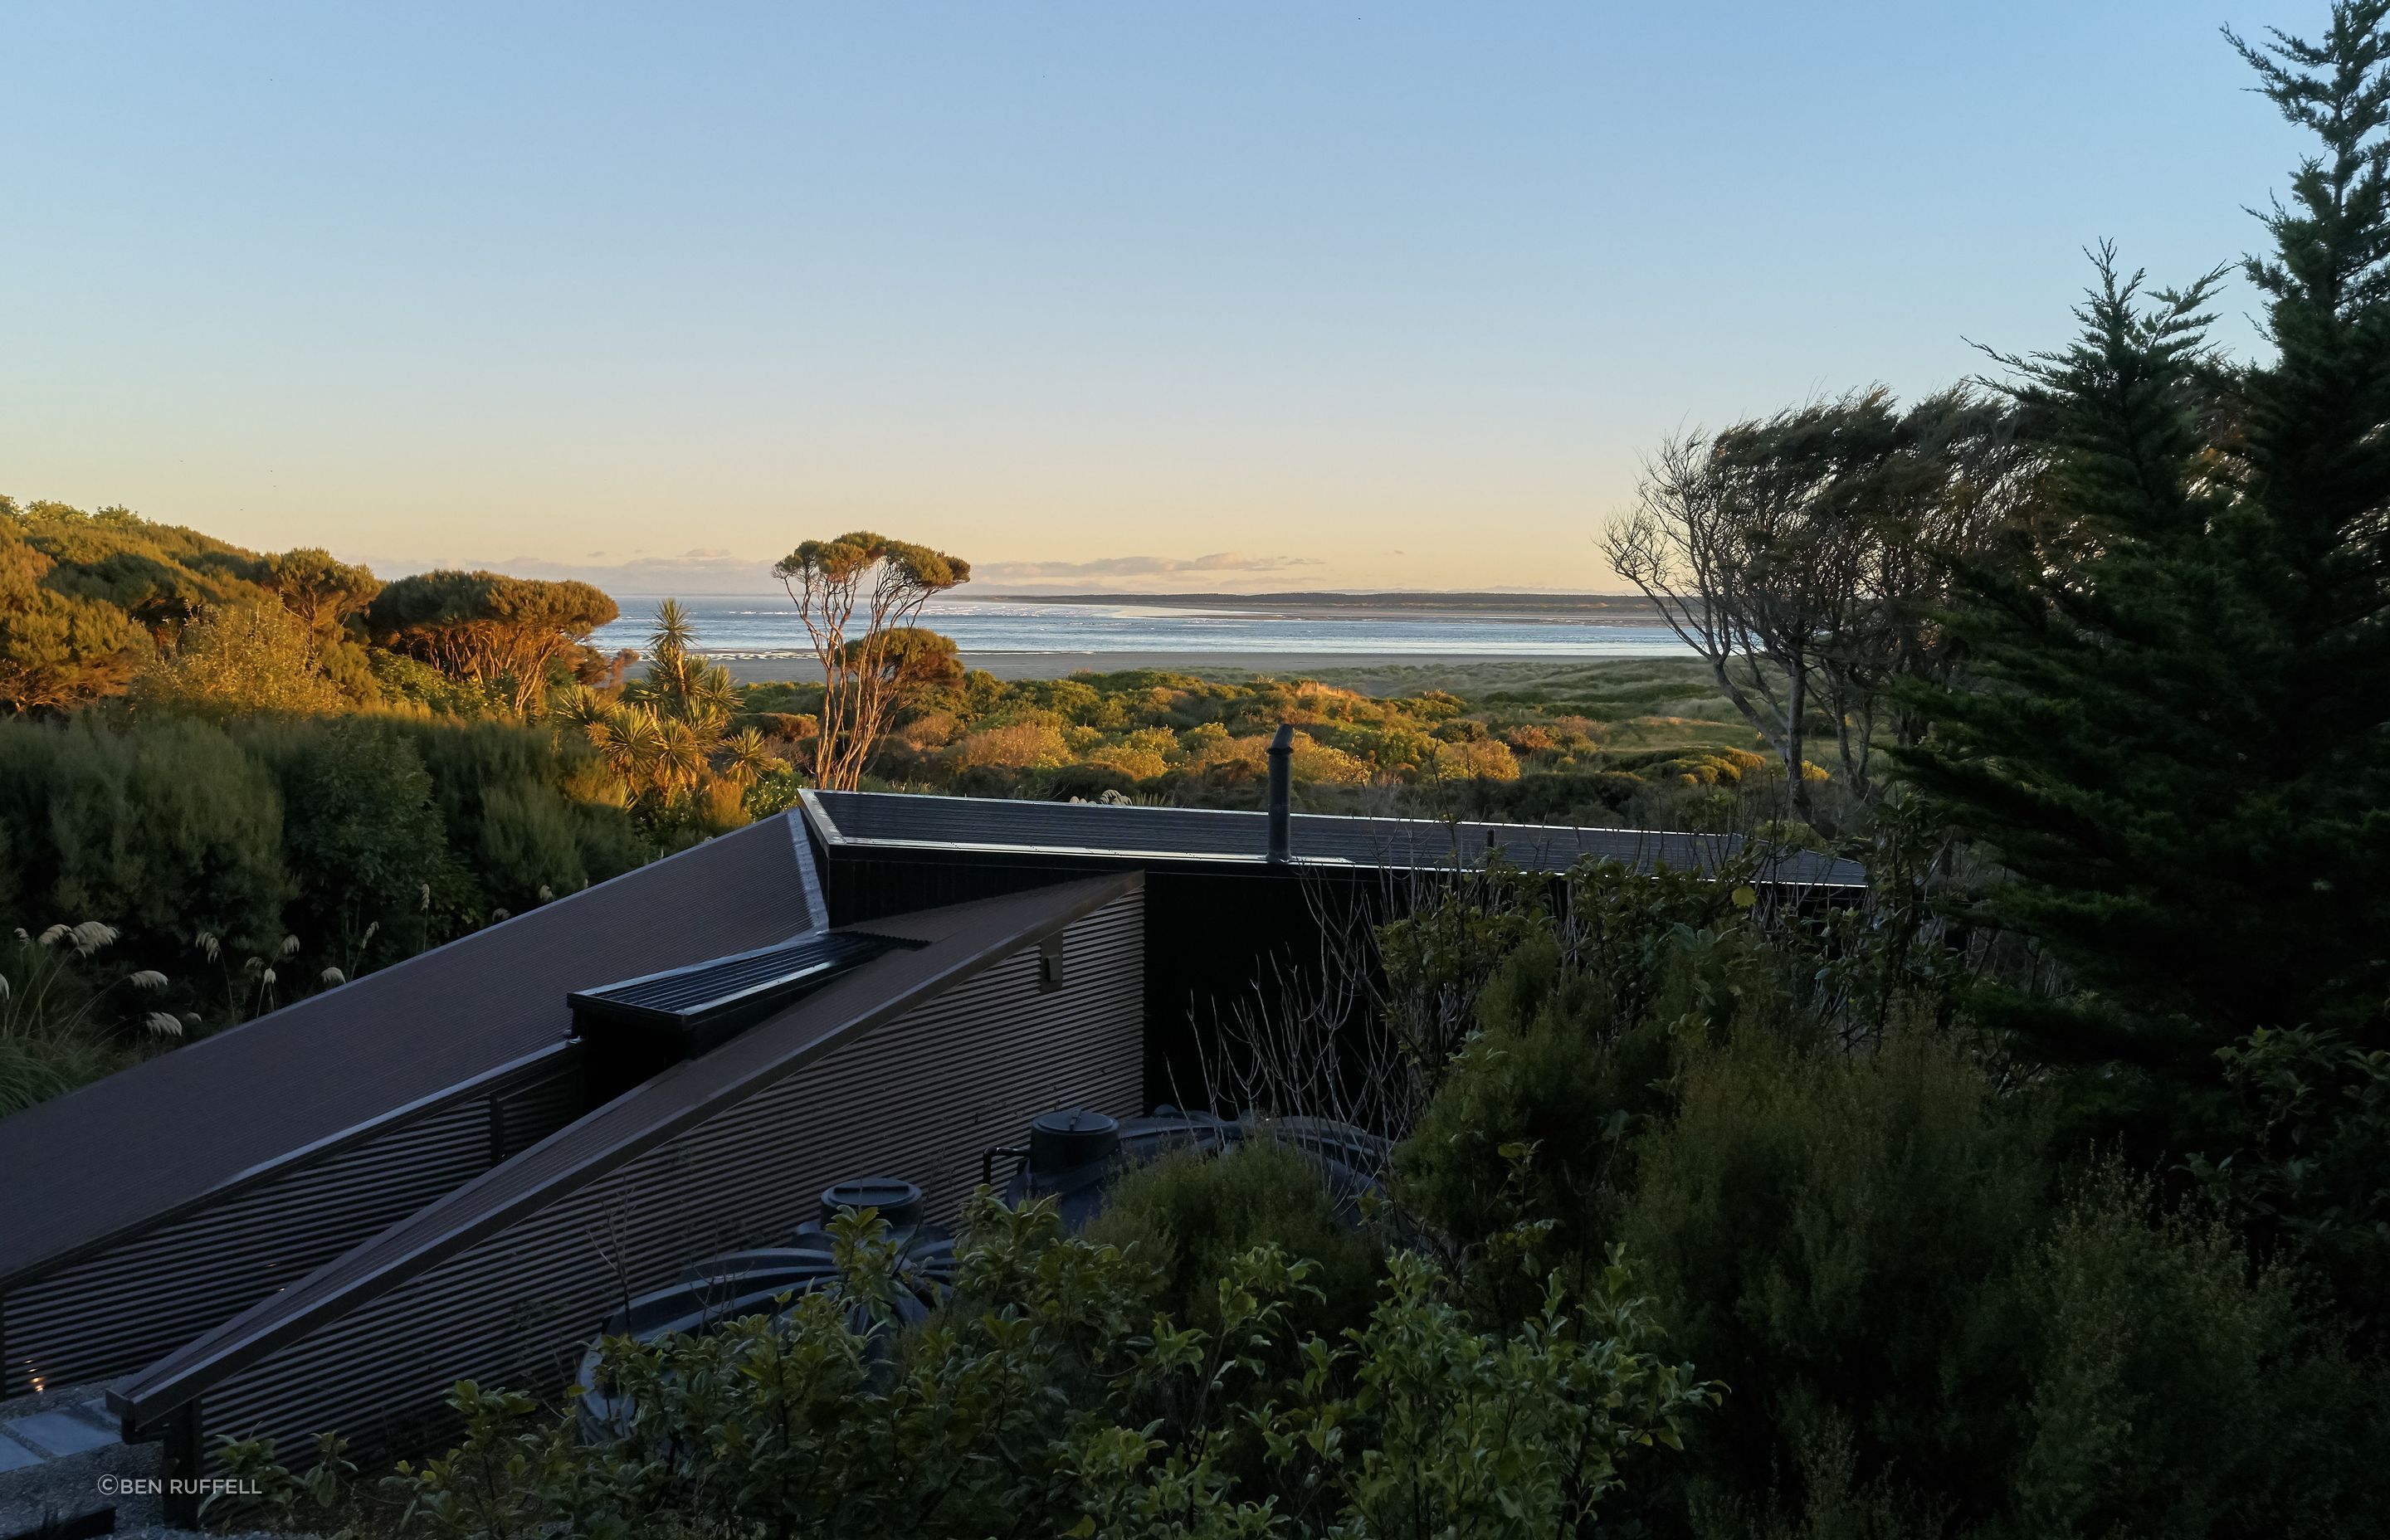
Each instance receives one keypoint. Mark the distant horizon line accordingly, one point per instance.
(1117, 596)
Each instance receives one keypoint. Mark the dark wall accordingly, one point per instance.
(1218, 935)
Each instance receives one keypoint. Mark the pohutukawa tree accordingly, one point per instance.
(859, 597)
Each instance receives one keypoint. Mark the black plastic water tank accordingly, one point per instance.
(739, 1284)
(1073, 1156)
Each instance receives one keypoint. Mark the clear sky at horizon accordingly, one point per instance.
(1218, 296)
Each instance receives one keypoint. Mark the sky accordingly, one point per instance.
(1110, 297)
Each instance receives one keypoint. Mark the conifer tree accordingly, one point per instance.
(2174, 737)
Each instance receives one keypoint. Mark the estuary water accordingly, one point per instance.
(743, 627)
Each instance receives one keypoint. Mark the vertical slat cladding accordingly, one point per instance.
(920, 1097)
(119, 1309)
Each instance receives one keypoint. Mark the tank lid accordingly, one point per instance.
(1072, 1137)
(899, 1201)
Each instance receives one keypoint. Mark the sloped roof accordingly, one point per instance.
(1127, 832)
(98, 1160)
(951, 945)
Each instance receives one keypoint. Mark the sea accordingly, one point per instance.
(746, 627)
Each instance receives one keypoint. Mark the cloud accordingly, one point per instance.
(1135, 566)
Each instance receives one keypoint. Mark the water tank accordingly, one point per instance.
(739, 1283)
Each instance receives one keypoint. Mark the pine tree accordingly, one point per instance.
(2174, 739)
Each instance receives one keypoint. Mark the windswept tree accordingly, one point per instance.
(859, 597)
(1805, 556)
(488, 628)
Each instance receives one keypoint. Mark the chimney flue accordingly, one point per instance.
(1281, 783)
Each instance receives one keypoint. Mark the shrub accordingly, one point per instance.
(1533, 1116)
(1482, 759)
(165, 829)
(1188, 1215)
(361, 837)
(407, 681)
(2177, 1394)
(2314, 1171)
(1836, 1236)
(1133, 761)
(1016, 746)
(1047, 1398)
(241, 658)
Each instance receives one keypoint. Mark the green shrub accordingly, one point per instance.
(237, 659)
(2312, 1173)
(1549, 1078)
(1187, 1215)
(2177, 1394)
(1835, 1236)
(361, 835)
(410, 682)
(1047, 1397)
(254, 860)
(166, 830)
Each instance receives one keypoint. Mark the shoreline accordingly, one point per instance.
(758, 668)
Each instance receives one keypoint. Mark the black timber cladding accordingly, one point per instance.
(90, 1168)
(724, 1147)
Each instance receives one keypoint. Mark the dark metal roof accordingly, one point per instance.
(1147, 835)
(951, 945)
(98, 1162)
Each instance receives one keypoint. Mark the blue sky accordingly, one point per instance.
(1272, 295)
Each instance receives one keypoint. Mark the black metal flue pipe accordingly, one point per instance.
(1281, 772)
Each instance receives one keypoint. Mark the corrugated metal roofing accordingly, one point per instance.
(957, 944)
(90, 1164)
(1149, 834)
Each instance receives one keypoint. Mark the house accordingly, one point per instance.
(450, 1168)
